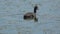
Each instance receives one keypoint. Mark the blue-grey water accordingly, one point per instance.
(12, 12)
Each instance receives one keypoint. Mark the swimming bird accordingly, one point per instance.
(31, 15)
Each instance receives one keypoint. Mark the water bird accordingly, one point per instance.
(31, 15)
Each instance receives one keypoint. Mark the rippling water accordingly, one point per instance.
(12, 12)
